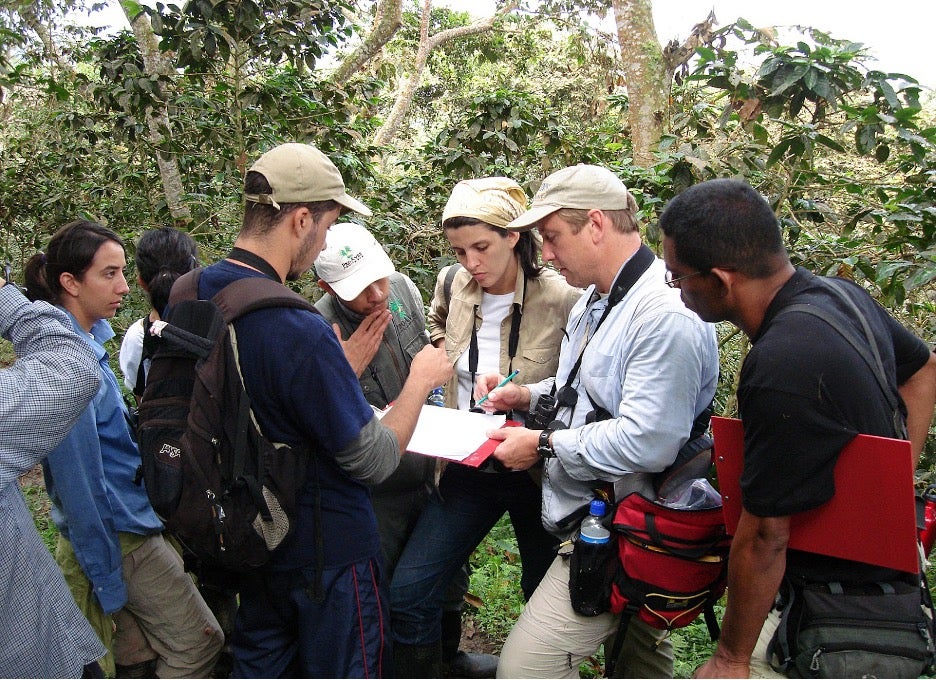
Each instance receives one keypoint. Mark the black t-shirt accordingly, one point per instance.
(805, 393)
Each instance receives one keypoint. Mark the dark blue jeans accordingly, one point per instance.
(282, 632)
(450, 527)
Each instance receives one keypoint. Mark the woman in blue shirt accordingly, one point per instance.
(111, 547)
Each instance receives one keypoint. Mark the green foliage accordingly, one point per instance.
(692, 645)
(495, 580)
(845, 154)
(205, 34)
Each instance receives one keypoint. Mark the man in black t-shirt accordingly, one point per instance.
(804, 393)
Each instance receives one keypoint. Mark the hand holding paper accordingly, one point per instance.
(517, 448)
(452, 434)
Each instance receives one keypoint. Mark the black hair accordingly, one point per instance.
(527, 249)
(260, 218)
(724, 223)
(71, 250)
(162, 256)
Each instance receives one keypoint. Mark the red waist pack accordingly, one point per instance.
(673, 562)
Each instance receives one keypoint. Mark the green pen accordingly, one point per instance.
(499, 385)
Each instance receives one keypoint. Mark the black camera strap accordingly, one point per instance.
(512, 341)
(255, 261)
(631, 272)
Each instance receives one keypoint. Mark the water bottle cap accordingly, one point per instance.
(597, 508)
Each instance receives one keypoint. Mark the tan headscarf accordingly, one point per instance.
(494, 200)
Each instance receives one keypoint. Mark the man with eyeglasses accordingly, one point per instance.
(804, 392)
(676, 281)
(636, 370)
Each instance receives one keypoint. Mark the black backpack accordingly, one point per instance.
(220, 486)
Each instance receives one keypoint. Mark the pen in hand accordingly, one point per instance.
(500, 384)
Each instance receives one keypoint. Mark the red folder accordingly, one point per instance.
(482, 453)
(871, 518)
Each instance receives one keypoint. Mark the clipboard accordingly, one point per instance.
(871, 518)
(454, 435)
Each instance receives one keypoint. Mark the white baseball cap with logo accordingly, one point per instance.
(351, 260)
(300, 173)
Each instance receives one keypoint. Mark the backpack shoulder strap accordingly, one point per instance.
(447, 283)
(867, 349)
(249, 294)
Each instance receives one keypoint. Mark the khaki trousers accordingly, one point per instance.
(760, 660)
(162, 600)
(550, 639)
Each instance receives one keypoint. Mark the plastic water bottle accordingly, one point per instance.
(592, 530)
(592, 564)
(437, 397)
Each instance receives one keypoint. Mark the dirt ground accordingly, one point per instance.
(473, 640)
(33, 477)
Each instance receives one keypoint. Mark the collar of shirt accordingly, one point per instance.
(101, 332)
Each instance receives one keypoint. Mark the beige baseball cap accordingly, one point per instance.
(351, 260)
(580, 186)
(300, 173)
(493, 200)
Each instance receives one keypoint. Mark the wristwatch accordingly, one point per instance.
(545, 448)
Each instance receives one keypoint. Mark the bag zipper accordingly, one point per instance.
(919, 627)
(832, 648)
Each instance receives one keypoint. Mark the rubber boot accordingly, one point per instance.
(459, 664)
(417, 661)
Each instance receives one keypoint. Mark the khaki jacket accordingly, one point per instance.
(545, 303)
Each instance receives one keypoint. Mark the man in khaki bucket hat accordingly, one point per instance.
(635, 372)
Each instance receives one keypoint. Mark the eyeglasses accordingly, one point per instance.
(674, 283)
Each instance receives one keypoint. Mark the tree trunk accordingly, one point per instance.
(404, 97)
(155, 63)
(388, 16)
(644, 68)
(31, 18)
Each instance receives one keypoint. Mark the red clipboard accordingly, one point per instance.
(871, 518)
(482, 453)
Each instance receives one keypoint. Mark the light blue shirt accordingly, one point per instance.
(652, 364)
(91, 480)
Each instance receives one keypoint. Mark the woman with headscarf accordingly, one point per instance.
(497, 310)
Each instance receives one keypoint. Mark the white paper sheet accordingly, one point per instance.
(450, 433)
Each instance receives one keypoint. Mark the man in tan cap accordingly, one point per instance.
(636, 370)
(314, 610)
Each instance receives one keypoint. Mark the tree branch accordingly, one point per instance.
(388, 17)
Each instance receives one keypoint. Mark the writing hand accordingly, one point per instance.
(505, 398)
